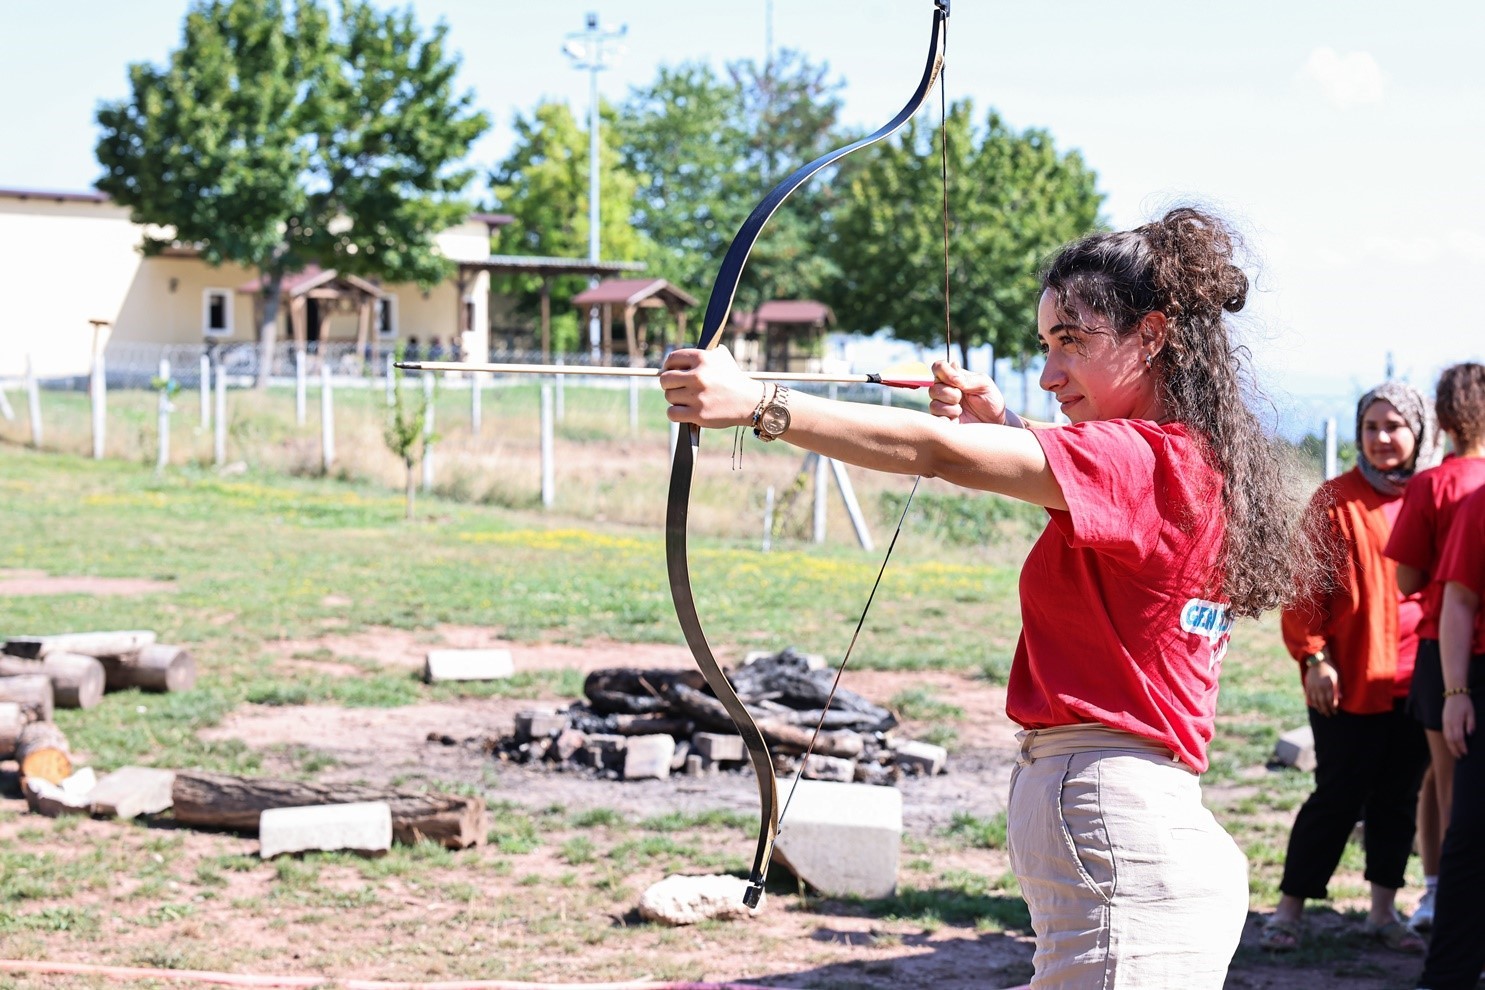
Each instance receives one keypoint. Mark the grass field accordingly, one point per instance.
(275, 552)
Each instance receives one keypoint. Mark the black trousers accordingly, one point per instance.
(1456, 952)
(1367, 768)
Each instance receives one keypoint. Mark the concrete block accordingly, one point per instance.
(538, 724)
(467, 665)
(568, 743)
(696, 764)
(605, 751)
(920, 757)
(132, 791)
(819, 767)
(719, 746)
(1296, 748)
(364, 826)
(648, 757)
(843, 839)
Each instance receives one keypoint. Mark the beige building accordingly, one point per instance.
(72, 278)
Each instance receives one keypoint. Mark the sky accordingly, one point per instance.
(1346, 140)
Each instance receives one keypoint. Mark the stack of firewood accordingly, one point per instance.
(73, 670)
(809, 728)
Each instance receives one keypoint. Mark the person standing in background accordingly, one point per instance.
(1355, 638)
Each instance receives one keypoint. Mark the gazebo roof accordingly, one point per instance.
(633, 292)
(795, 311)
(312, 277)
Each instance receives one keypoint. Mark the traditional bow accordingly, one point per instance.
(718, 306)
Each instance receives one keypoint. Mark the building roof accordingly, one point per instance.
(533, 265)
(491, 220)
(91, 196)
(632, 292)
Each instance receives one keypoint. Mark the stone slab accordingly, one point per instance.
(920, 757)
(467, 665)
(364, 826)
(538, 724)
(132, 791)
(843, 839)
(719, 746)
(648, 757)
(1296, 748)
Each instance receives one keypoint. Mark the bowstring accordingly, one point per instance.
(948, 356)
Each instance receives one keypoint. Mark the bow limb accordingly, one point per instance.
(719, 305)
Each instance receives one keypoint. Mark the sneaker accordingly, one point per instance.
(1422, 919)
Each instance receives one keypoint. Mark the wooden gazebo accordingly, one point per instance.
(313, 296)
(762, 338)
(637, 299)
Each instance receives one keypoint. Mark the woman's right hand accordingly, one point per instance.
(965, 396)
(1322, 688)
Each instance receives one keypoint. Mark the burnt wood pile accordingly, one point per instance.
(787, 694)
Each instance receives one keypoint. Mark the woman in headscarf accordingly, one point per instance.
(1355, 639)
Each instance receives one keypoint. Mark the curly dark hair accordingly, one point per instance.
(1183, 266)
(1460, 402)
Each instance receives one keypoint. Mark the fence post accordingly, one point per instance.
(634, 405)
(162, 416)
(98, 393)
(299, 387)
(561, 393)
(548, 473)
(476, 414)
(886, 396)
(1330, 456)
(428, 410)
(391, 383)
(33, 403)
(219, 430)
(205, 383)
(768, 519)
(327, 420)
(5, 407)
(821, 486)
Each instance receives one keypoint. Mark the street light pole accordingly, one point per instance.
(591, 49)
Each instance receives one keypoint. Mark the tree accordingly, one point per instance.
(277, 138)
(705, 150)
(543, 182)
(406, 432)
(1013, 199)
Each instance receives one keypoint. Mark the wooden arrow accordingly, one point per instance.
(914, 375)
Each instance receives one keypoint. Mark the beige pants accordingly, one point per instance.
(1130, 880)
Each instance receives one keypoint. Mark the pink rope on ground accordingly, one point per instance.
(294, 982)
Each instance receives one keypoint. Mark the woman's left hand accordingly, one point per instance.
(707, 388)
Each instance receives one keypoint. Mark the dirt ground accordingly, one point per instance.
(794, 942)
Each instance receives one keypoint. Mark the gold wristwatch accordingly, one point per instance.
(772, 417)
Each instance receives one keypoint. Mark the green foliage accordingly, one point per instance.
(406, 432)
(278, 137)
(1012, 200)
(972, 518)
(979, 833)
(922, 704)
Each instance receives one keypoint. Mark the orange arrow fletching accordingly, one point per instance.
(915, 374)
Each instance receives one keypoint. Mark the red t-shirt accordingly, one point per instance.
(1463, 558)
(1409, 614)
(1121, 622)
(1429, 503)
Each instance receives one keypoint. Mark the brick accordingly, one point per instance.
(467, 665)
(719, 746)
(648, 757)
(539, 724)
(364, 826)
(1296, 748)
(819, 767)
(843, 839)
(920, 757)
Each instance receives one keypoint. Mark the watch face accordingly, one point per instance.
(774, 420)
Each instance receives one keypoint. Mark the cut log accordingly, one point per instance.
(33, 692)
(224, 801)
(42, 752)
(13, 718)
(706, 710)
(91, 644)
(77, 680)
(157, 667)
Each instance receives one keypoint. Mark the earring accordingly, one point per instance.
(1149, 359)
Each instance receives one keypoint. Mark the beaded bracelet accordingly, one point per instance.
(1451, 692)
